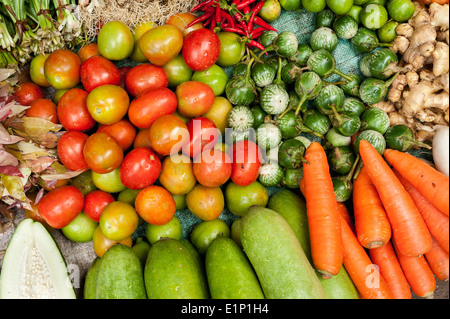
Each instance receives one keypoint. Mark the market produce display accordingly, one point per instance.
(207, 154)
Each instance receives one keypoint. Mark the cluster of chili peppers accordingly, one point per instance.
(238, 16)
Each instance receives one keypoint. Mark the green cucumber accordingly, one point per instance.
(172, 273)
(340, 286)
(279, 261)
(293, 208)
(90, 283)
(229, 272)
(120, 275)
(198, 258)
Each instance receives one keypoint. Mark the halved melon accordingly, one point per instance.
(33, 267)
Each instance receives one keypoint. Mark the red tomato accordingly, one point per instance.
(102, 153)
(212, 168)
(60, 206)
(97, 71)
(194, 98)
(247, 160)
(70, 150)
(140, 168)
(144, 77)
(62, 69)
(87, 51)
(95, 202)
(150, 105)
(203, 135)
(26, 93)
(123, 131)
(201, 49)
(73, 113)
(155, 205)
(123, 75)
(168, 134)
(43, 108)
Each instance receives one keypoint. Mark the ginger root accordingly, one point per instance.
(420, 96)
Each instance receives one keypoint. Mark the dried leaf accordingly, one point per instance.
(39, 129)
(6, 73)
(61, 176)
(10, 170)
(7, 159)
(30, 151)
(6, 138)
(13, 187)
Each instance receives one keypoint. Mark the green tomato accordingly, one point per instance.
(81, 229)
(232, 49)
(170, 230)
(109, 182)
(115, 41)
(141, 249)
(314, 6)
(360, 2)
(137, 55)
(84, 182)
(374, 16)
(128, 196)
(177, 71)
(340, 7)
(204, 233)
(388, 32)
(215, 77)
(180, 201)
(401, 10)
(240, 198)
(354, 12)
(291, 5)
(270, 11)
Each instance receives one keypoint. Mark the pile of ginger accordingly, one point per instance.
(419, 97)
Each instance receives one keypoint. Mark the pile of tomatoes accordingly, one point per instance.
(148, 139)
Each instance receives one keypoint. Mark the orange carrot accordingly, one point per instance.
(418, 273)
(372, 224)
(431, 183)
(302, 186)
(343, 210)
(408, 226)
(437, 222)
(386, 259)
(323, 217)
(366, 277)
(437, 258)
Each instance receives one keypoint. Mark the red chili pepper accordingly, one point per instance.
(253, 43)
(255, 11)
(201, 5)
(235, 30)
(227, 17)
(239, 19)
(218, 15)
(257, 20)
(244, 4)
(199, 19)
(257, 32)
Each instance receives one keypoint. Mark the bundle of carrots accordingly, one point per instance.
(400, 224)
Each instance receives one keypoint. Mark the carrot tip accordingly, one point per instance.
(325, 274)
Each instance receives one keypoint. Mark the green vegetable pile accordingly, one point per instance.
(32, 27)
(283, 97)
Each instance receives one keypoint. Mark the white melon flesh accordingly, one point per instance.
(33, 267)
